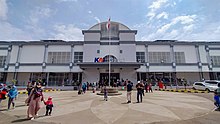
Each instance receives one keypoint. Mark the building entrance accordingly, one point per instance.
(104, 77)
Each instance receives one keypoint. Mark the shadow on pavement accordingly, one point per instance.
(20, 120)
(3, 110)
(25, 119)
(124, 103)
(17, 106)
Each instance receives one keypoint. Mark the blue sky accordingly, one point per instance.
(191, 20)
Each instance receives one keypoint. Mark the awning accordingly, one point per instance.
(134, 65)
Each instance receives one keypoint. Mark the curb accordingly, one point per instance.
(182, 91)
(25, 92)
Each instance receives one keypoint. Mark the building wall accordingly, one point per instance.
(159, 48)
(92, 37)
(14, 53)
(129, 74)
(140, 48)
(214, 52)
(202, 53)
(187, 68)
(90, 75)
(23, 78)
(128, 52)
(9, 77)
(32, 54)
(78, 48)
(127, 36)
(90, 52)
(59, 48)
(114, 50)
(189, 50)
(3, 52)
(190, 77)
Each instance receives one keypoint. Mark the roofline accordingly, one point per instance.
(60, 42)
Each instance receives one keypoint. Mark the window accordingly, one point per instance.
(121, 51)
(58, 57)
(179, 57)
(140, 57)
(215, 60)
(112, 58)
(211, 82)
(199, 84)
(2, 60)
(98, 51)
(78, 57)
(113, 29)
(159, 57)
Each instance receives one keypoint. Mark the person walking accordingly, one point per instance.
(129, 89)
(29, 87)
(216, 98)
(84, 87)
(146, 85)
(3, 92)
(33, 101)
(139, 91)
(150, 88)
(49, 106)
(12, 94)
(105, 93)
(142, 84)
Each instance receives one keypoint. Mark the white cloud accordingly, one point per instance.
(185, 19)
(67, 32)
(163, 14)
(13, 33)
(89, 12)
(188, 27)
(67, 0)
(154, 7)
(38, 13)
(3, 10)
(157, 4)
(217, 30)
(178, 27)
(97, 19)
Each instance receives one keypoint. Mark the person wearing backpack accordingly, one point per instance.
(12, 94)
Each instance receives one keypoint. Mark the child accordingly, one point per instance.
(105, 94)
(12, 94)
(49, 106)
(3, 92)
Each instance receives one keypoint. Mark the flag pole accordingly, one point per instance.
(109, 53)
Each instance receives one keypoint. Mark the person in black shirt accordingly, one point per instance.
(139, 87)
(129, 89)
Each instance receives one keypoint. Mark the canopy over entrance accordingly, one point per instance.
(134, 65)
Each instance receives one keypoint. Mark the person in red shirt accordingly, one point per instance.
(3, 92)
(49, 106)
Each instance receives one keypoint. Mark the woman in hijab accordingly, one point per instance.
(33, 101)
(12, 94)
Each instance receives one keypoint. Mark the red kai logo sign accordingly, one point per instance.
(98, 59)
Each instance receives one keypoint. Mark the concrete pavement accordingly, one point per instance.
(89, 108)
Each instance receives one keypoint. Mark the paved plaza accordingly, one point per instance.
(89, 108)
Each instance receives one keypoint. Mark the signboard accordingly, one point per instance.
(99, 59)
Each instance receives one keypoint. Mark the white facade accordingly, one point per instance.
(63, 62)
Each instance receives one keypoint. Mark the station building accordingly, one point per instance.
(60, 62)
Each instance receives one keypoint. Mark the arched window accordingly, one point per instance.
(112, 58)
